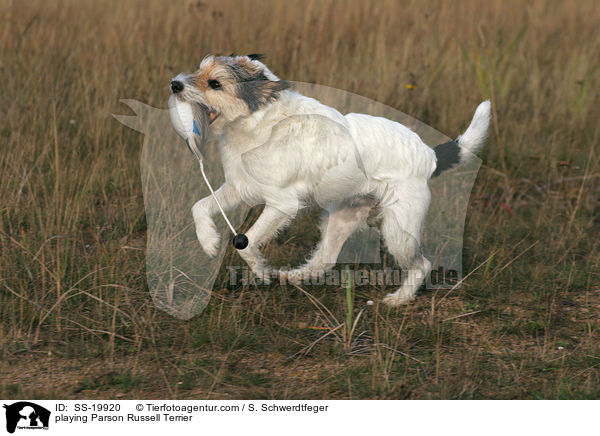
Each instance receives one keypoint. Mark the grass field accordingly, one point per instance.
(76, 317)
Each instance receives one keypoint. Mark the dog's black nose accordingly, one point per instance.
(176, 86)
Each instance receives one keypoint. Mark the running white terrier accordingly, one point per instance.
(283, 149)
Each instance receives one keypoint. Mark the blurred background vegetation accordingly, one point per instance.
(76, 317)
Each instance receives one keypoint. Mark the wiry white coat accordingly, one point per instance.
(297, 150)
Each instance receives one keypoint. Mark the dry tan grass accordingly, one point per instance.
(73, 229)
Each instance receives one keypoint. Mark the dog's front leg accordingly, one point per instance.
(203, 211)
(266, 226)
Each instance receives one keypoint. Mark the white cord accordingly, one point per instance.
(195, 152)
(214, 196)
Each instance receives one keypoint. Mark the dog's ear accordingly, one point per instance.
(256, 85)
(255, 56)
(258, 93)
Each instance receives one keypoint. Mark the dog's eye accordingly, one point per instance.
(214, 84)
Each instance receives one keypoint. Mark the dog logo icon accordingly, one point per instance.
(26, 415)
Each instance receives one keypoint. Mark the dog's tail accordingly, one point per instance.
(452, 153)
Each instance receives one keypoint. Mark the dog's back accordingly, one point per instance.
(390, 150)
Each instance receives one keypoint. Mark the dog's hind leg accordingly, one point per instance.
(337, 224)
(401, 229)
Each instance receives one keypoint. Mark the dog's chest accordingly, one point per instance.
(237, 176)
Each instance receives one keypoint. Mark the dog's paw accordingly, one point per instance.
(293, 277)
(210, 244)
(208, 237)
(303, 274)
(258, 265)
(265, 276)
(206, 231)
(395, 300)
(263, 273)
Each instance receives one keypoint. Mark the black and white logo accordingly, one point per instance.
(26, 415)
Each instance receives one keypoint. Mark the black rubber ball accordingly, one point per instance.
(240, 241)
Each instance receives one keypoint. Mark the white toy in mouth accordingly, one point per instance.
(191, 126)
(184, 123)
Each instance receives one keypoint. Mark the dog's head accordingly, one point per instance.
(229, 87)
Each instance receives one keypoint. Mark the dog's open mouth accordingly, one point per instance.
(212, 115)
(205, 115)
(208, 112)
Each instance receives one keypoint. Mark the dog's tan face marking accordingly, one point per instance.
(233, 86)
(218, 87)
